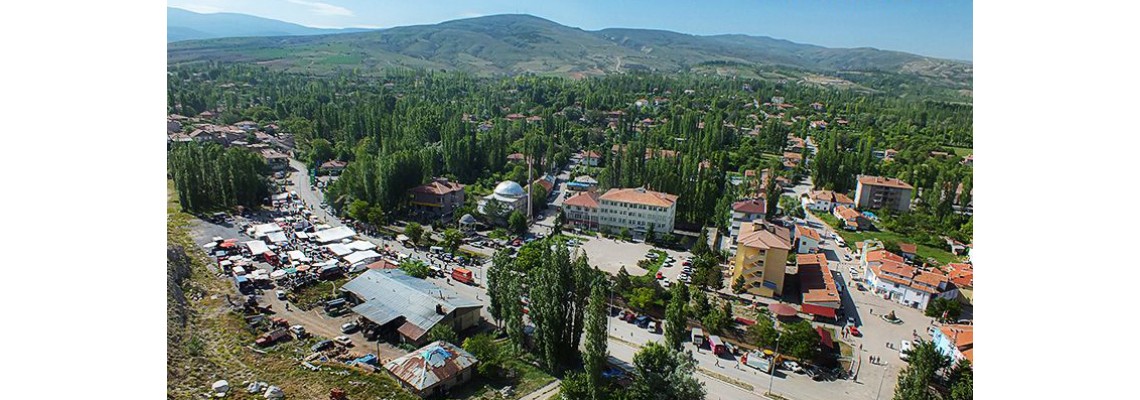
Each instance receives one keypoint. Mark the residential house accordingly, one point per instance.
(392, 301)
(745, 211)
(903, 283)
(908, 250)
(591, 158)
(968, 160)
(761, 257)
(584, 182)
(791, 158)
(436, 200)
(852, 220)
(818, 124)
(516, 158)
(582, 210)
(332, 167)
(889, 154)
(817, 106)
(807, 240)
(247, 126)
(275, 159)
(826, 200)
(819, 292)
(546, 182)
(515, 117)
(433, 370)
(875, 192)
(955, 341)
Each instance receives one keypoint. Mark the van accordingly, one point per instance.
(463, 275)
(436, 249)
(698, 337)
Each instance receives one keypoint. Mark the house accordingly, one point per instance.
(436, 200)
(394, 302)
(877, 256)
(807, 240)
(582, 210)
(174, 124)
(545, 182)
(332, 167)
(875, 192)
(955, 341)
(761, 257)
(534, 118)
(275, 159)
(817, 286)
(247, 126)
(744, 211)
(817, 106)
(591, 158)
(889, 154)
(826, 200)
(515, 117)
(793, 158)
(516, 158)
(852, 220)
(818, 124)
(795, 144)
(433, 369)
(908, 250)
(584, 182)
(906, 284)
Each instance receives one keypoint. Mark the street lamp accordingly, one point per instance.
(884, 378)
(772, 370)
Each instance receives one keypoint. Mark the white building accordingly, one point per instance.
(826, 200)
(635, 209)
(905, 284)
(508, 197)
(747, 210)
(807, 240)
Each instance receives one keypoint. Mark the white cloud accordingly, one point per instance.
(324, 8)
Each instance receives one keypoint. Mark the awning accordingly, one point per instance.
(256, 247)
(825, 337)
(277, 237)
(782, 310)
(339, 249)
(818, 310)
(361, 256)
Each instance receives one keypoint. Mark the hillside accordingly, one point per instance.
(189, 25)
(515, 44)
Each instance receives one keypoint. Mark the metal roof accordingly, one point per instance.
(391, 293)
(431, 364)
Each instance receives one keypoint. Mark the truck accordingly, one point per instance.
(717, 345)
(757, 360)
(274, 336)
(463, 275)
(698, 337)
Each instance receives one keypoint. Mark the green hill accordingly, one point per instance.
(517, 44)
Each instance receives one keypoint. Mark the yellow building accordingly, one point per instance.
(761, 257)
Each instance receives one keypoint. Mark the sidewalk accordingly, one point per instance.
(544, 392)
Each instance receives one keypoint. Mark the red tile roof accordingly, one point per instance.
(883, 255)
(908, 247)
(762, 235)
(750, 206)
(640, 196)
(582, 199)
(885, 182)
(805, 231)
(437, 187)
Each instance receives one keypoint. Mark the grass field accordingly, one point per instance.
(962, 151)
(942, 256)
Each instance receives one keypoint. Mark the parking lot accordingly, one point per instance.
(610, 255)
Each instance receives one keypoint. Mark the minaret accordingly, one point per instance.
(529, 187)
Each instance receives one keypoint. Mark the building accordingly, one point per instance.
(433, 369)
(875, 192)
(333, 167)
(508, 197)
(761, 257)
(852, 220)
(392, 301)
(743, 211)
(903, 283)
(908, 250)
(807, 240)
(436, 200)
(591, 158)
(584, 182)
(826, 200)
(637, 209)
(275, 159)
(817, 286)
(582, 210)
(955, 341)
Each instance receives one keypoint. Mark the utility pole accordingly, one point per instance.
(772, 370)
(881, 382)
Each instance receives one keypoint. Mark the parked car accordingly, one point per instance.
(343, 341)
(854, 331)
(793, 366)
(851, 320)
(859, 285)
(660, 275)
(349, 327)
(280, 295)
(321, 345)
(904, 348)
(298, 331)
(653, 327)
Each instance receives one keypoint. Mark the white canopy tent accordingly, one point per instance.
(265, 229)
(256, 247)
(339, 249)
(361, 256)
(277, 237)
(335, 234)
(361, 245)
(298, 255)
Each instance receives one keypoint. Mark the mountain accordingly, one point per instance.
(189, 25)
(514, 44)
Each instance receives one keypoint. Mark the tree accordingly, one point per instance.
(676, 317)
(576, 386)
(650, 234)
(952, 309)
(799, 340)
(624, 234)
(443, 332)
(622, 282)
(414, 232)
(701, 246)
(416, 268)
(661, 373)
(924, 361)
(594, 356)
(376, 216)
(715, 322)
(791, 207)
(358, 210)
(700, 303)
(738, 285)
(512, 310)
(484, 348)
(763, 333)
(642, 298)
(538, 199)
(517, 223)
(320, 150)
(497, 273)
(558, 292)
(452, 238)
(962, 381)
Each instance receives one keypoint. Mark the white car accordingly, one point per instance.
(904, 348)
(793, 366)
(280, 295)
(343, 341)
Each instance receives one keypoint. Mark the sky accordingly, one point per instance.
(942, 28)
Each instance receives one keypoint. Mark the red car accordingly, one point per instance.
(853, 330)
(659, 275)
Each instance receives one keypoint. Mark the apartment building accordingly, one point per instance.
(635, 209)
(762, 257)
(876, 192)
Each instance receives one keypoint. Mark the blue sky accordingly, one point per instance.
(941, 28)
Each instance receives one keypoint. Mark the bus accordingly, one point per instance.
(717, 345)
(463, 275)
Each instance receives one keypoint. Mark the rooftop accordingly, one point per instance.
(391, 294)
(885, 182)
(640, 196)
(583, 199)
(431, 364)
(750, 206)
(438, 187)
(764, 235)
